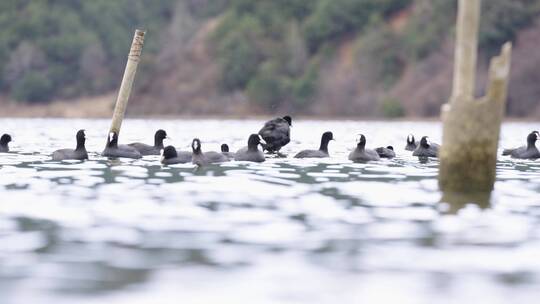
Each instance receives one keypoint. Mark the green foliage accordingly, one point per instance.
(239, 55)
(432, 20)
(33, 87)
(333, 18)
(267, 87)
(386, 52)
(270, 48)
(261, 51)
(272, 87)
(381, 52)
(391, 108)
(303, 88)
(61, 32)
(206, 8)
(430, 23)
(502, 19)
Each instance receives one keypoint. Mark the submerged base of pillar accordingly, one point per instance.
(471, 130)
(469, 151)
(458, 201)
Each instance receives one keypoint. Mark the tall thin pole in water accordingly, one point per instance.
(127, 81)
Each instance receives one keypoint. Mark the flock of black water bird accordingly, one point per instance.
(272, 137)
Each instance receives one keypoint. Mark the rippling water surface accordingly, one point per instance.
(284, 231)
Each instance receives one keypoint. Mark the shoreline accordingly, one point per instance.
(258, 117)
(101, 107)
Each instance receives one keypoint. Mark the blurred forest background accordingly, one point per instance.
(361, 58)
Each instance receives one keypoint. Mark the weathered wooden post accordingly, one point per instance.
(471, 126)
(127, 81)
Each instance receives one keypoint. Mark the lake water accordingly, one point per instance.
(284, 231)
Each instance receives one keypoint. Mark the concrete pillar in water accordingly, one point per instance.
(127, 81)
(466, 48)
(471, 126)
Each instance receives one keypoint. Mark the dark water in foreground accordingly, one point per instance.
(285, 231)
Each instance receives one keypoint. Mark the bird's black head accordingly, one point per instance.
(224, 148)
(328, 136)
(196, 146)
(533, 137)
(288, 119)
(159, 137)
(169, 152)
(81, 138)
(361, 141)
(254, 141)
(424, 142)
(5, 139)
(112, 140)
(410, 139)
(325, 139)
(390, 148)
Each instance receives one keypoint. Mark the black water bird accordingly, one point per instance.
(361, 154)
(112, 149)
(426, 148)
(525, 152)
(184, 154)
(323, 149)
(386, 152)
(276, 133)
(79, 153)
(411, 143)
(169, 156)
(225, 151)
(145, 149)
(251, 152)
(4, 142)
(201, 159)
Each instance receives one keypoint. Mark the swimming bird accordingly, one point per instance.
(201, 159)
(112, 149)
(225, 151)
(169, 156)
(411, 143)
(526, 152)
(4, 141)
(184, 154)
(78, 154)
(361, 154)
(323, 149)
(387, 152)
(145, 149)
(251, 152)
(276, 133)
(426, 148)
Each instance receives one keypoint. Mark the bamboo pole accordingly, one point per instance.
(127, 81)
(471, 127)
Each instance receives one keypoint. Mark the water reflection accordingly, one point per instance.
(121, 231)
(458, 201)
